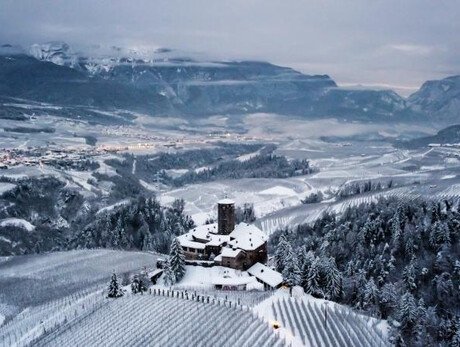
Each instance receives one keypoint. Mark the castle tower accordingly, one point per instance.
(225, 216)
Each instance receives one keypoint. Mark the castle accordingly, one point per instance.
(238, 247)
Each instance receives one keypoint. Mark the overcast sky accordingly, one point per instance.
(397, 43)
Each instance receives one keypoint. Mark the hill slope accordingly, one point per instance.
(449, 135)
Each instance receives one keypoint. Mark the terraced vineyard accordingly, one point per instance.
(34, 322)
(152, 320)
(326, 325)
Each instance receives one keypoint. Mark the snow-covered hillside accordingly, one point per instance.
(306, 321)
(56, 275)
(164, 321)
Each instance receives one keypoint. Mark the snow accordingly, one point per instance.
(4, 187)
(233, 281)
(203, 277)
(2, 319)
(266, 275)
(248, 156)
(105, 169)
(383, 327)
(17, 222)
(431, 167)
(226, 201)
(155, 272)
(148, 186)
(186, 240)
(175, 173)
(205, 234)
(134, 167)
(278, 190)
(4, 239)
(111, 207)
(201, 217)
(200, 169)
(447, 177)
(14, 176)
(247, 237)
(255, 286)
(202, 232)
(230, 252)
(298, 315)
(81, 178)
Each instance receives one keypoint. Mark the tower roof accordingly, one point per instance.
(226, 202)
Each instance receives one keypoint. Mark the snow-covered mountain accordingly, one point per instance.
(55, 52)
(440, 99)
(168, 82)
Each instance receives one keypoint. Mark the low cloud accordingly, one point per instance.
(342, 39)
(412, 49)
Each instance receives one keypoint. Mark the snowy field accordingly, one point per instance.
(425, 173)
(267, 195)
(33, 280)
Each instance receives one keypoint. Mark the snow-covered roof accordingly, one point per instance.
(186, 240)
(229, 252)
(202, 231)
(247, 237)
(245, 228)
(232, 281)
(225, 201)
(265, 274)
(207, 233)
(217, 240)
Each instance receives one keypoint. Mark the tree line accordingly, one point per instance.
(396, 260)
(141, 224)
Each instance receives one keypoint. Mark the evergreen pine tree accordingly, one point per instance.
(114, 288)
(280, 253)
(291, 271)
(168, 276)
(314, 280)
(305, 268)
(371, 297)
(388, 299)
(333, 279)
(177, 260)
(135, 288)
(444, 289)
(408, 311)
(409, 277)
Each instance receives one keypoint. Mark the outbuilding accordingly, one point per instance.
(270, 278)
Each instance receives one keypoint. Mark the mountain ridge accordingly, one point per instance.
(164, 82)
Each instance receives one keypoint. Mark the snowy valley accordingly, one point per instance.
(154, 198)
